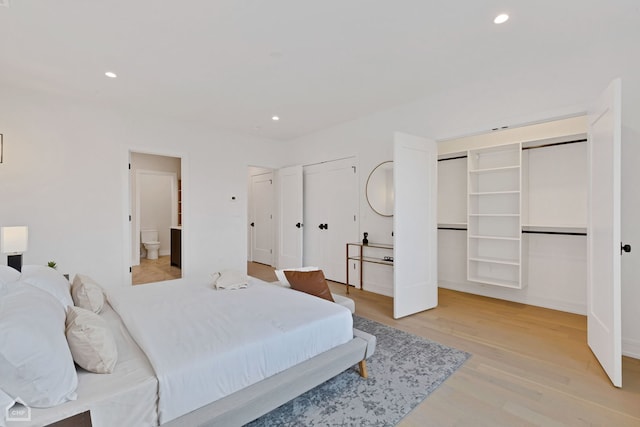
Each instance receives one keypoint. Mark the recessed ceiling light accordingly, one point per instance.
(501, 19)
(275, 118)
(111, 74)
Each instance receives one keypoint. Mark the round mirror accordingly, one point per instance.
(380, 189)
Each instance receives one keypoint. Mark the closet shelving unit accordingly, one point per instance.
(494, 200)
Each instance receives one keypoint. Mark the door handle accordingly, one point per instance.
(624, 248)
(298, 225)
(253, 224)
(321, 226)
(326, 226)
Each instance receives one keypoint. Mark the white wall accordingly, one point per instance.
(65, 176)
(480, 105)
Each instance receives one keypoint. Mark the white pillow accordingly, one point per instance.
(283, 279)
(86, 293)
(8, 275)
(49, 280)
(91, 342)
(6, 402)
(230, 279)
(35, 360)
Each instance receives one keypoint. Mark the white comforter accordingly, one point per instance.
(205, 344)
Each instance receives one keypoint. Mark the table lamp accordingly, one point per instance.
(13, 241)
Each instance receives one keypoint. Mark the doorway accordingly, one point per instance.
(156, 217)
(261, 231)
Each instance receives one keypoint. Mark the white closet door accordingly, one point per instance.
(415, 179)
(603, 293)
(342, 214)
(291, 217)
(262, 218)
(315, 213)
(330, 205)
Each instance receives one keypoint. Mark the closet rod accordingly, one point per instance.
(553, 144)
(564, 233)
(453, 158)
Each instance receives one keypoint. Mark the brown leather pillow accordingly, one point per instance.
(311, 282)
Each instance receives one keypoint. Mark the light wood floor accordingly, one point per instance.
(530, 366)
(155, 270)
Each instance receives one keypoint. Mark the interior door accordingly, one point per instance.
(342, 215)
(330, 205)
(603, 242)
(262, 218)
(415, 180)
(290, 213)
(315, 214)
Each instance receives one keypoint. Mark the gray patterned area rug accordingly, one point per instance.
(403, 371)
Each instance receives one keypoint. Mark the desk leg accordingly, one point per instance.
(347, 258)
(361, 270)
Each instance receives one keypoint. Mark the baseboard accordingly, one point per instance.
(631, 348)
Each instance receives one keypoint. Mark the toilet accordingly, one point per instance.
(149, 239)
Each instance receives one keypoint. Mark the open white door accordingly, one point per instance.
(415, 180)
(603, 289)
(289, 194)
(262, 218)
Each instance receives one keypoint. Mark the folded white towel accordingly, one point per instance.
(230, 279)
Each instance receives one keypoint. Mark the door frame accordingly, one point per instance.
(252, 219)
(252, 171)
(128, 204)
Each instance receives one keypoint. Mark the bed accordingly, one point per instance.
(126, 397)
(265, 345)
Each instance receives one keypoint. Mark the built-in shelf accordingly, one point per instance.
(494, 206)
(514, 239)
(495, 260)
(497, 169)
(452, 224)
(494, 193)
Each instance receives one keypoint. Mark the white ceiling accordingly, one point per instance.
(234, 63)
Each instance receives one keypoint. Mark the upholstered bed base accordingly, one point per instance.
(252, 402)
